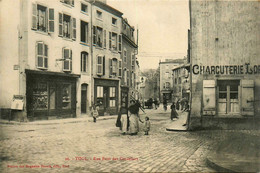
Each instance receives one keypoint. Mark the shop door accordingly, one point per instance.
(106, 98)
(83, 98)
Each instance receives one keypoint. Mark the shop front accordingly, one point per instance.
(50, 95)
(106, 96)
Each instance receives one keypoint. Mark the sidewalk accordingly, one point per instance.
(177, 124)
(238, 152)
(84, 118)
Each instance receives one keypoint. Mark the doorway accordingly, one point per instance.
(84, 97)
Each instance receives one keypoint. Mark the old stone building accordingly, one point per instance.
(225, 64)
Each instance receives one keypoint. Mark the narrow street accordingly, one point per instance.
(97, 147)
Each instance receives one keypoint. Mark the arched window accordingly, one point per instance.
(84, 62)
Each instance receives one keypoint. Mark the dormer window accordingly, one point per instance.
(99, 14)
(114, 21)
(68, 2)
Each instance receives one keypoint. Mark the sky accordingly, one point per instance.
(163, 28)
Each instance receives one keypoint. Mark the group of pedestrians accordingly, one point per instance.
(128, 119)
(179, 105)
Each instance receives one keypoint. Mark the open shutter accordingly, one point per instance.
(110, 67)
(74, 31)
(110, 40)
(105, 39)
(45, 56)
(119, 43)
(104, 65)
(94, 35)
(60, 24)
(67, 59)
(247, 96)
(51, 20)
(209, 97)
(99, 65)
(34, 16)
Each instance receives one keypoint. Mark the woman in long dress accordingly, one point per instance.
(124, 120)
(174, 114)
(133, 118)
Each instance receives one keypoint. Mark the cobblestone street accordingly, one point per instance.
(97, 147)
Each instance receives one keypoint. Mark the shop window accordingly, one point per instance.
(84, 61)
(68, 2)
(84, 8)
(112, 96)
(66, 96)
(40, 96)
(228, 96)
(67, 59)
(67, 26)
(100, 95)
(42, 55)
(42, 18)
(84, 32)
(97, 36)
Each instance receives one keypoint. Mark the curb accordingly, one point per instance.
(52, 123)
(217, 167)
(176, 130)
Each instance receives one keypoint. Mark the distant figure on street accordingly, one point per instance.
(147, 125)
(155, 103)
(165, 104)
(178, 105)
(174, 114)
(94, 112)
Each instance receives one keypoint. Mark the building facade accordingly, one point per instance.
(225, 62)
(64, 56)
(128, 64)
(166, 82)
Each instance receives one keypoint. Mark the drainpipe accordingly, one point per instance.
(91, 51)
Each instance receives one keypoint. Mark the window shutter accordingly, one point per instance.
(209, 97)
(247, 96)
(70, 60)
(99, 65)
(60, 24)
(110, 40)
(66, 53)
(104, 65)
(94, 35)
(105, 39)
(110, 67)
(45, 56)
(51, 20)
(34, 16)
(74, 30)
(119, 43)
(128, 80)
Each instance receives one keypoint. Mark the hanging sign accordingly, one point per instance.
(17, 102)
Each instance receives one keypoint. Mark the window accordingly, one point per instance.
(84, 32)
(42, 55)
(100, 65)
(84, 8)
(97, 36)
(133, 61)
(67, 62)
(128, 78)
(167, 85)
(167, 74)
(119, 68)
(100, 94)
(68, 2)
(66, 96)
(114, 21)
(105, 39)
(125, 76)
(113, 41)
(113, 66)
(133, 79)
(120, 43)
(67, 26)
(84, 61)
(40, 96)
(228, 96)
(41, 19)
(125, 55)
(99, 14)
(112, 95)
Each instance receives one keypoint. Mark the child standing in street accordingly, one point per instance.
(147, 125)
(94, 112)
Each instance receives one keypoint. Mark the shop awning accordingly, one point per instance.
(27, 71)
